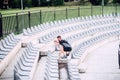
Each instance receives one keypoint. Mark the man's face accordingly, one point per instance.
(59, 39)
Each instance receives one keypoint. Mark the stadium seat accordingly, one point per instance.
(51, 70)
(26, 64)
(73, 72)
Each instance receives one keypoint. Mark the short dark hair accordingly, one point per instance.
(58, 36)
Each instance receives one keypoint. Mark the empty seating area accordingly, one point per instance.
(72, 28)
(51, 67)
(73, 71)
(84, 45)
(81, 32)
(90, 32)
(26, 65)
(9, 46)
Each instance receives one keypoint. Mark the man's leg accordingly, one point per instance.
(67, 53)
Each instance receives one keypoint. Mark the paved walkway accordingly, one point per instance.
(102, 64)
(39, 74)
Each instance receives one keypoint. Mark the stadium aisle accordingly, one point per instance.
(102, 63)
(39, 74)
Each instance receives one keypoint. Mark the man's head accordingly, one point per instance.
(59, 38)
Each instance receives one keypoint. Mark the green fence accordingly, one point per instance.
(19, 21)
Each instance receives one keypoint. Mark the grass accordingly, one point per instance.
(33, 9)
(10, 12)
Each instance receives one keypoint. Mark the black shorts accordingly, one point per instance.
(67, 49)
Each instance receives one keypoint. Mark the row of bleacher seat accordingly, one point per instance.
(9, 46)
(79, 51)
(25, 66)
(51, 68)
(52, 35)
(90, 32)
(45, 26)
(73, 72)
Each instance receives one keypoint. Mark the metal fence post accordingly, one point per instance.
(102, 9)
(29, 19)
(1, 33)
(66, 13)
(40, 17)
(91, 10)
(17, 22)
(116, 9)
(54, 15)
(78, 11)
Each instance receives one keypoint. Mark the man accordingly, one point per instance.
(66, 47)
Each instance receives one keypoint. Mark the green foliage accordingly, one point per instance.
(116, 1)
(44, 3)
(28, 3)
(57, 2)
(52, 2)
(61, 2)
(0, 3)
(17, 3)
(98, 2)
(35, 3)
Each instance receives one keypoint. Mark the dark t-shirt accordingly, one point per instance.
(66, 45)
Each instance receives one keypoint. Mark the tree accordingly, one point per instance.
(66, 0)
(57, 2)
(116, 1)
(61, 2)
(27, 3)
(98, 2)
(35, 3)
(1, 3)
(17, 3)
(52, 2)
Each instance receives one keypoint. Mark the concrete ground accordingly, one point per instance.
(102, 63)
